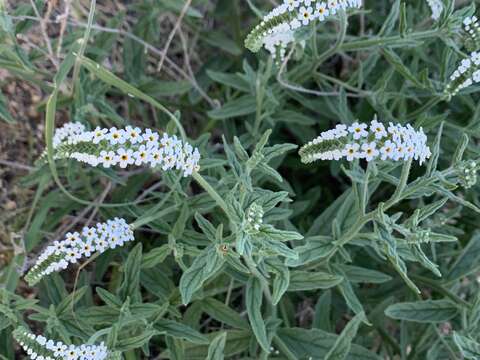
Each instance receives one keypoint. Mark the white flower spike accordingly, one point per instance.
(40, 348)
(75, 246)
(466, 74)
(368, 141)
(277, 29)
(123, 148)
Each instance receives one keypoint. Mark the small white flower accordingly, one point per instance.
(399, 152)
(116, 136)
(464, 65)
(124, 157)
(387, 150)
(99, 134)
(87, 248)
(378, 129)
(475, 57)
(333, 6)
(476, 76)
(295, 24)
(305, 14)
(41, 340)
(321, 11)
(107, 158)
(133, 135)
(358, 130)
(72, 238)
(351, 151)
(151, 138)
(292, 4)
(155, 157)
(72, 255)
(141, 155)
(370, 151)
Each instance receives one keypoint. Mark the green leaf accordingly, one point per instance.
(280, 235)
(231, 80)
(358, 274)
(342, 345)
(180, 331)
(350, 297)
(428, 311)
(4, 113)
(323, 311)
(254, 299)
(400, 67)
(468, 261)
(316, 343)
(305, 280)
(207, 227)
(217, 346)
(221, 312)
(206, 264)
(469, 348)
(281, 283)
(317, 248)
(155, 256)
(131, 273)
(241, 106)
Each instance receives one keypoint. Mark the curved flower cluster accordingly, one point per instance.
(254, 217)
(437, 8)
(60, 254)
(369, 142)
(69, 130)
(467, 173)
(466, 74)
(40, 348)
(124, 147)
(277, 28)
(472, 30)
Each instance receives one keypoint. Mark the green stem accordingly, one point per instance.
(211, 191)
(388, 40)
(86, 36)
(340, 40)
(442, 290)
(401, 185)
(260, 92)
(147, 219)
(428, 105)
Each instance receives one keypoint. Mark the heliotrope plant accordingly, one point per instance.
(124, 147)
(277, 28)
(39, 347)
(368, 141)
(467, 72)
(76, 245)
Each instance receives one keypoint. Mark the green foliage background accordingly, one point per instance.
(353, 262)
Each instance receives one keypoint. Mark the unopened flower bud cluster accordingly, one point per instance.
(437, 8)
(277, 28)
(423, 236)
(368, 141)
(467, 173)
(255, 217)
(40, 348)
(58, 256)
(466, 74)
(124, 147)
(472, 30)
